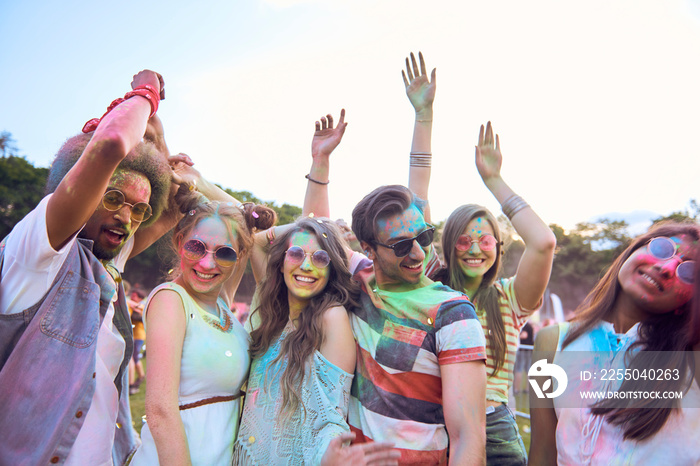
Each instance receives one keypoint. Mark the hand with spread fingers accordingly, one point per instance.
(326, 138)
(372, 453)
(420, 90)
(488, 154)
(421, 93)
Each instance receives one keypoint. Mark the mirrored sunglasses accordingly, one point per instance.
(115, 200)
(319, 259)
(195, 249)
(403, 248)
(486, 242)
(665, 248)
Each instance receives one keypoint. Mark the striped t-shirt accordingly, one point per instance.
(402, 340)
(514, 317)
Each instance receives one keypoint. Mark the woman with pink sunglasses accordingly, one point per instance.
(472, 248)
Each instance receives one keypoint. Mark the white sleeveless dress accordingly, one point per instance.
(584, 439)
(215, 363)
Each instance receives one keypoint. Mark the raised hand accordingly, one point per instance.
(488, 155)
(419, 90)
(149, 77)
(373, 453)
(326, 137)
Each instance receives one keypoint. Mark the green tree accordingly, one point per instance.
(583, 255)
(691, 214)
(286, 213)
(21, 185)
(7, 144)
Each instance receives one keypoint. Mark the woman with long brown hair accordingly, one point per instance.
(302, 347)
(472, 248)
(636, 320)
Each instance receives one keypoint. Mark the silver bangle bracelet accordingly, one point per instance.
(420, 161)
(513, 205)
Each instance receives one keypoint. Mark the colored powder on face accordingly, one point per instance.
(405, 224)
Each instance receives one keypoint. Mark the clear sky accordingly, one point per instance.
(597, 103)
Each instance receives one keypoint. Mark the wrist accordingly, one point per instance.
(494, 184)
(424, 114)
(320, 157)
(320, 165)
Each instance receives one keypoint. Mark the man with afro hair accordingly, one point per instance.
(65, 333)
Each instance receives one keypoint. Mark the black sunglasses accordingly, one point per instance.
(403, 248)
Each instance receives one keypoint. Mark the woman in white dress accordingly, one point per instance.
(197, 351)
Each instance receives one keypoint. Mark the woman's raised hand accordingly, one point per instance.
(326, 137)
(419, 90)
(488, 154)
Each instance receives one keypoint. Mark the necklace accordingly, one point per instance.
(223, 323)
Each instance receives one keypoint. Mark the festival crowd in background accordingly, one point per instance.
(362, 345)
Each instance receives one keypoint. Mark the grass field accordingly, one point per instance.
(138, 412)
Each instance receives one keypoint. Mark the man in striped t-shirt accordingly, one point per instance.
(420, 364)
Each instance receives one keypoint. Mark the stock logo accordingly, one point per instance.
(544, 369)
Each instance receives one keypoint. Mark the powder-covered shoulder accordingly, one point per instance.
(455, 309)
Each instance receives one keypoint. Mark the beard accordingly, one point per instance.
(99, 251)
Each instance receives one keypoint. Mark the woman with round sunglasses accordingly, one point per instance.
(303, 354)
(637, 320)
(197, 350)
(472, 248)
(302, 347)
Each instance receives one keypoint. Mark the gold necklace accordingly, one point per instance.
(223, 323)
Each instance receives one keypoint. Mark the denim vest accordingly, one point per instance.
(47, 365)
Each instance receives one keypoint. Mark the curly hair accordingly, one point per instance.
(666, 336)
(273, 308)
(144, 159)
(486, 296)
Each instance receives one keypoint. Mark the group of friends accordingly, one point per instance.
(386, 355)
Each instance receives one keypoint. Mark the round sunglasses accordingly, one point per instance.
(665, 248)
(403, 248)
(320, 258)
(195, 249)
(115, 200)
(486, 242)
